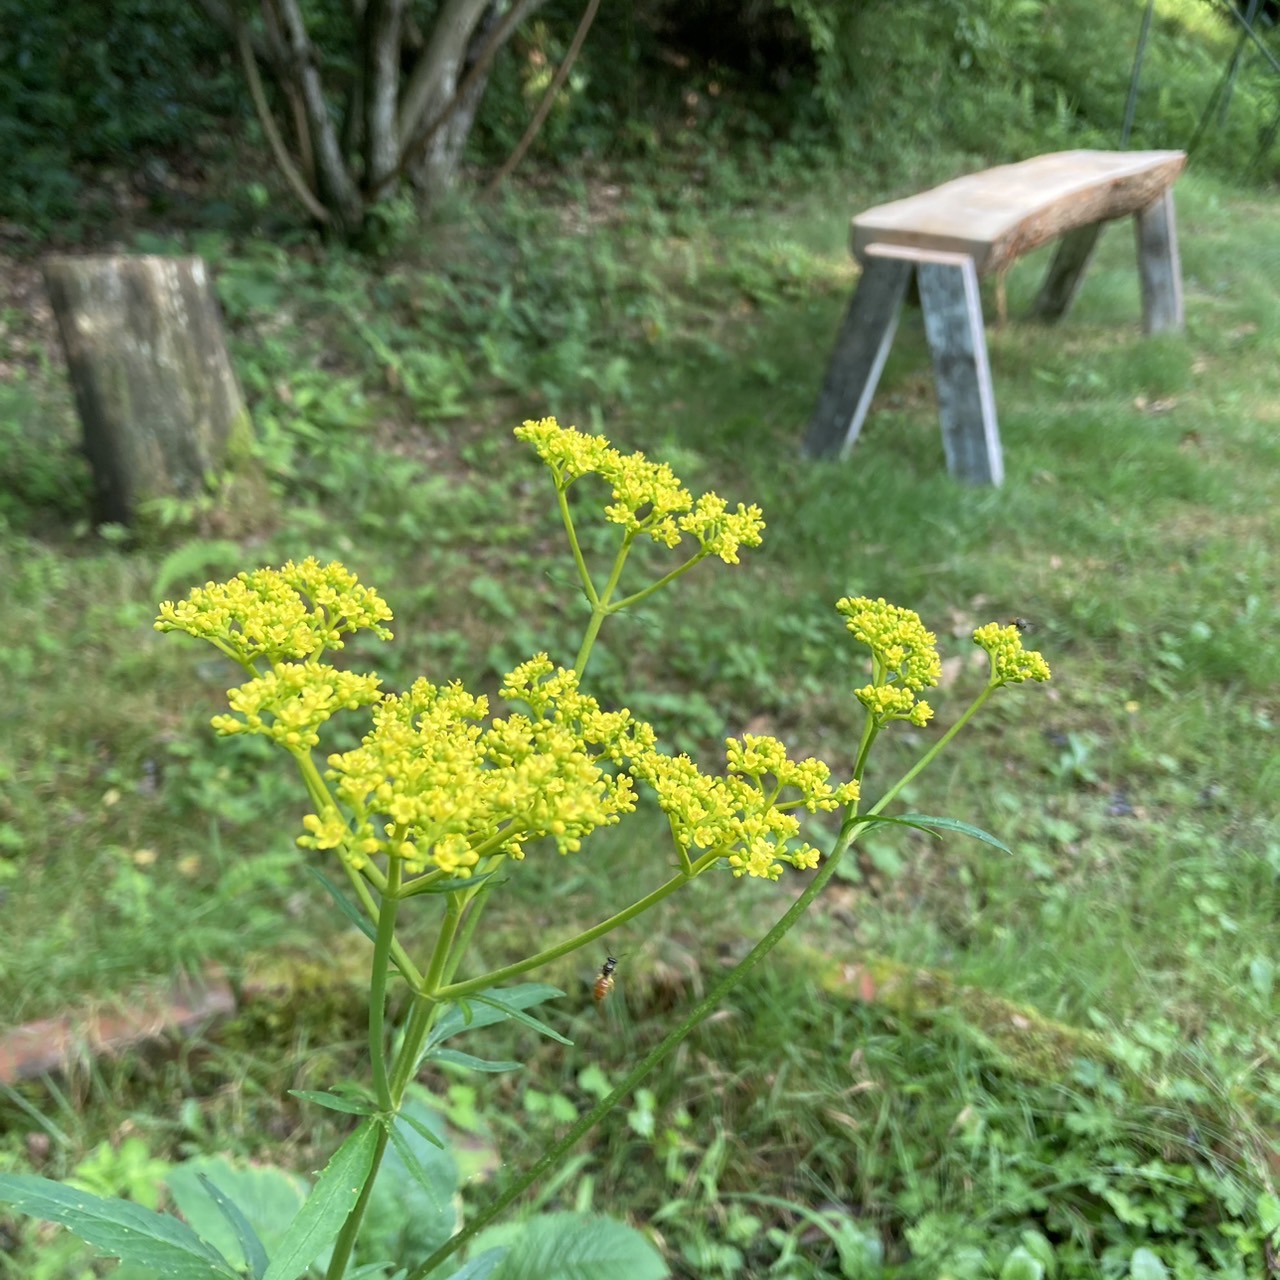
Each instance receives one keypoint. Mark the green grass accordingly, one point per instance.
(1136, 529)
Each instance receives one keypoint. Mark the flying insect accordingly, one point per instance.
(604, 982)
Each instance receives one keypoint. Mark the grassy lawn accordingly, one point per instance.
(1136, 530)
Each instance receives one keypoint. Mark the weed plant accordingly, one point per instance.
(1136, 530)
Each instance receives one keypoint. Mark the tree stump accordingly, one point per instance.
(159, 402)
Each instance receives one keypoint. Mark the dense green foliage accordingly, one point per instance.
(146, 92)
(88, 90)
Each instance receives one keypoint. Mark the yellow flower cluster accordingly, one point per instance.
(432, 785)
(289, 614)
(1010, 662)
(648, 498)
(552, 692)
(904, 656)
(299, 698)
(742, 816)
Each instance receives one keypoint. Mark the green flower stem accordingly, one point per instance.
(390, 1091)
(457, 990)
(584, 574)
(444, 957)
(422, 1017)
(379, 972)
(317, 791)
(932, 754)
(869, 731)
(665, 580)
(600, 606)
(367, 900)
(475, 903)
(598, 616)
(637, 1074)
(322, 799)
(346, 1238)
(686, 864)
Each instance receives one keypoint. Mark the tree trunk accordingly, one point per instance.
(393, 126)
(157, 397)
(444, 93)
(436, 174)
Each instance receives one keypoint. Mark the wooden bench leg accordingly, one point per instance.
(966, 400)
(1159, 267)
(862, 347)
(1066, 273)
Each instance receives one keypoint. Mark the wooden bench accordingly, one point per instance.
(947, 238)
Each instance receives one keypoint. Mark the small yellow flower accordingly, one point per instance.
(433, 785)
(568, 452)
(744, 817)
(760, 757)
(1010, 662)
(289, 703)
(721, 532)
(904, 658)
(293, 613)
(649, 499)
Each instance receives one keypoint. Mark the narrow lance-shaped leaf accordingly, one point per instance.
(525, 1019)
(471, 1063)
(497, 1004)
(334, 1102)
(455, 885)
(924, 822)
(344, 904)
(331, 1199)
(255, 1255)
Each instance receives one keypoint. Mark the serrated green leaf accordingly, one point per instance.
(118, 1228)
(422, 1130)
(413, 1166)
(1038, 1246)
(335, 1102)
(1021, 1264)
(332, 1198)
(1268, 1208)
(471, 1062)
(923, 822)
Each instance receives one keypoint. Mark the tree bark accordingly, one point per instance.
(392, 127)
(338, 189)
(433, 153)
(157, 397)
(435, 76)
(381, 30)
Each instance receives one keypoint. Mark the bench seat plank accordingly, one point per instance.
(996, 216)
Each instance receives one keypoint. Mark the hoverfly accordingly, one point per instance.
(1022, 625)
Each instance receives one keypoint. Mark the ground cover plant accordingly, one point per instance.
(691, 317)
